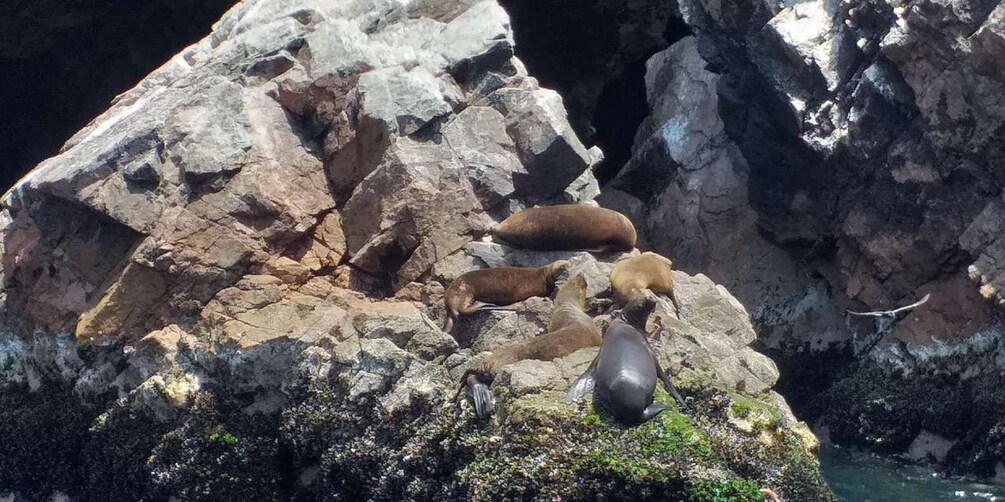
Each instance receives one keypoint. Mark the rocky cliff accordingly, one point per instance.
(818, 156)
(227, 286)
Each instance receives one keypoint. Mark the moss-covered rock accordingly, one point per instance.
(325, 445)
(540, 448)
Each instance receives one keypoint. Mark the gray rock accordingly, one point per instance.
(241, 220)
(478, 39)
(432, 343)
(144, 170)
(213, 137)
(488, 330)
(531, 377)
(551, 153)
(488, 155)
(403, 100)
(398, 322)
(426, 385)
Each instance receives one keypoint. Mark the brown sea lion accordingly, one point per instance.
(568, 227)
(631, 277)
(570, 329)
(498, 287)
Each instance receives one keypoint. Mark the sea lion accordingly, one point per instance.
(623, 375)
(497, 287)
(570, 329)
(632, 276)
(568, 227)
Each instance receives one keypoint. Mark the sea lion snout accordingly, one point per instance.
(637, 311)
(573, 289)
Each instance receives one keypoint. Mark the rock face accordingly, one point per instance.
(65, 62)
(229, 285)
(818, 156)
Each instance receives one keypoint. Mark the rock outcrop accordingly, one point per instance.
(228, 286)
(818, 156)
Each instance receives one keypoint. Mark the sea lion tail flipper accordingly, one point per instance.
(652, 410)
(481, 396)
(429, 322)
(583, 385)
(449, 325)
(492, 306)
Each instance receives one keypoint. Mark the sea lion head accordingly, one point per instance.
(574, 288)
(637, 311)
(556, 268)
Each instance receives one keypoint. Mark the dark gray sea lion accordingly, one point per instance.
(570, 329)
(623, 375)
(631, 277)
(568, 227)
(498, 287)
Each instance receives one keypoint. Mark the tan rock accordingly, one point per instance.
(124, 308)
(287, 270)
(326, 246)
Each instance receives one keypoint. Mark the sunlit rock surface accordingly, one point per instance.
(229, 286)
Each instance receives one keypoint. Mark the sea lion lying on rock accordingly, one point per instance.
(498, 287)
(623, 375)
(568, 227)
(570, 329)
(631, 277)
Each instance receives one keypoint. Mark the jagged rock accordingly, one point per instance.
(154, 353)
(489, 157)
(550, 152)
(838, 130)
(326, 246)
(257, 237)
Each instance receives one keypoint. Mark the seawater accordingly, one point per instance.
(858, 476)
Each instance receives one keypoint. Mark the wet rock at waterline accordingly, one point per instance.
(229, 285)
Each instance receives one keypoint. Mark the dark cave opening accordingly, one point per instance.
(65, 61)
(594, 54)
(621, 108)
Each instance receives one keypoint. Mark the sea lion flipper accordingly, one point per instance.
(481, 396)
(668, 385)
(493, 306)
(652, 410)
(676, 306)
(583, 385)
